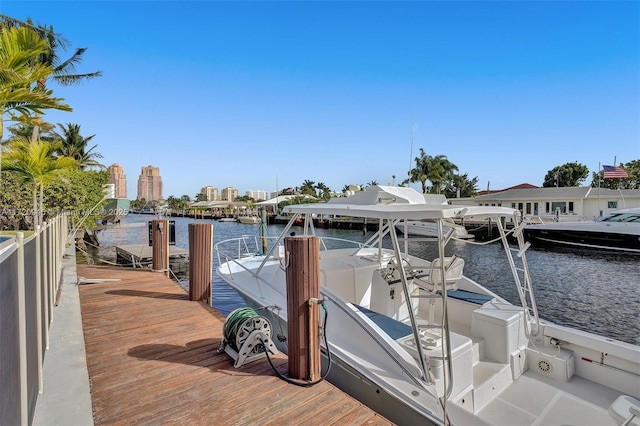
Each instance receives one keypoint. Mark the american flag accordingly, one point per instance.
(612, 172)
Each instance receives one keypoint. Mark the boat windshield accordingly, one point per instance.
(620, 217)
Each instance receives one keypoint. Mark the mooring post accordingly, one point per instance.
(200, 250)
(303, 291)
(160, 245)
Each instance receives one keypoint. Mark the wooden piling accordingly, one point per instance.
(160, 245)
(303, 284)
(200, 251)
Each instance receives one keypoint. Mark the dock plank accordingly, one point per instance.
(153, 358)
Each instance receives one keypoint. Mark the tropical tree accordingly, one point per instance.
(24, 127)
(36, 164)
(77, 191)
(324, 191)
(568, 174)
(20, 71)
(63, 71)
(308, 187)
(462, 185)
(437, 170)
(74, 145)
(140, 203)
(632, 181)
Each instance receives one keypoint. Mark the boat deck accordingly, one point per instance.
(152, 358)
(570, 403)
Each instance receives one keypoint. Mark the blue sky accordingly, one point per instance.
(258, 94)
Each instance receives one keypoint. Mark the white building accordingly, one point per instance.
(257, 194)
(569, 203)
(210, 193)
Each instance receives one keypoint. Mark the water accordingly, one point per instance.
(589, 290)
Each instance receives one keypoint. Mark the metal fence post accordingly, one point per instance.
(22, 331)
(39, 308)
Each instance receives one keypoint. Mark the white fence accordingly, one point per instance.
(30, 273)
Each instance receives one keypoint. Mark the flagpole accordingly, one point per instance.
(599, 190)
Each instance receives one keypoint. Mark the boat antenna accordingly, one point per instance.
(413, 129)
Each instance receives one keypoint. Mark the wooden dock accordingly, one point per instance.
(152, 357)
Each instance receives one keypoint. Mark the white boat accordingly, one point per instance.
(249, 219)
(618, 231)
(480, 359)
(227, 219)
(426, 228)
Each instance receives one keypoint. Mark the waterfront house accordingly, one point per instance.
(563, 204)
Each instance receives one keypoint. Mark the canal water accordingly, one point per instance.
(589, 290)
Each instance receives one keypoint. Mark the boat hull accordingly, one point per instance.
(546, 236)
(249, 220)
(115, 209)
(343, 376)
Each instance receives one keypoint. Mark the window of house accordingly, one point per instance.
(612, 204)
(570, 206)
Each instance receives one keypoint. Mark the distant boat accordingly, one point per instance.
(617, 231)
(249, 219)
(115, 209)
(430, 229)
(227, 219)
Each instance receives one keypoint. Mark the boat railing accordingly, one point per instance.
(256, 245)
(520, 270)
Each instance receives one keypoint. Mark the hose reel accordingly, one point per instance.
(244, 332)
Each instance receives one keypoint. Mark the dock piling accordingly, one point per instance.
(200, 252)
(303, 287)
(160, 245)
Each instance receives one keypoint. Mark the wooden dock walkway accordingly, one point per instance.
(152, 357)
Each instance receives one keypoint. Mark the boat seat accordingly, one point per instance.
(394, 328)
(432, 280)
(625, 410)
(469, 296)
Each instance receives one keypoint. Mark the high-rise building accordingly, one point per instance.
(118, 179)
(257, 194)
(229, 194)
(150, 184)
(210, 193)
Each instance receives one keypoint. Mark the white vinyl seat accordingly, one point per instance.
(625, 410)
(432, 281)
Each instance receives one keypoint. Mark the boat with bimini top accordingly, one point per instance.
(421, 342)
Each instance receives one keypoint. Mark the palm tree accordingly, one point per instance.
(461, 185)
(36, 164)
(19, 93)
(441, 172)
(308, 187)
(323, 191)
(74, 145)
(436, 169)
(63, 72)
(19, 74)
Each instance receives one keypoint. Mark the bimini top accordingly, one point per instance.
(394, 202)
